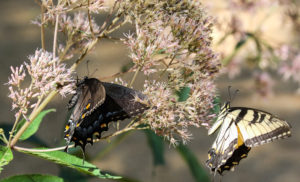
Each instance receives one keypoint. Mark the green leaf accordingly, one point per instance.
(240, 43)
(33, 139)
(237, 48)
(216, 109)
(34, 126)
(69, 174)
(2, 135)
(196, 169)
(5, 156)
(156, 143)
(183, 94)
(33, 178)
(71, 161)
(127, 67)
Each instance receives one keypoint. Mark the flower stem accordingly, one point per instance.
(55, 35)
(13, 129)
(40, 150)
(32, 116)
(90, 20)
(42, 27)
(134, 76)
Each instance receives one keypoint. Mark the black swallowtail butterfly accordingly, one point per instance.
(94, 105)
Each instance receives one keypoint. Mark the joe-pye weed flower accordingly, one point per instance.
(171, 47)
(46, 74)
(173, 40)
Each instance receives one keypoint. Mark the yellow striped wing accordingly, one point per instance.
(259, 127)
(223, 147)
(241, 129)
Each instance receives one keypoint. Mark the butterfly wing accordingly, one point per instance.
(242, 129)
(126, 100)
(224, 145)
(118, 103)
(238, 154)
(90, 94)
(259, 127)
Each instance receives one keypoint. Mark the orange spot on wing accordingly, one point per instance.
(240, 137)
(103, 125)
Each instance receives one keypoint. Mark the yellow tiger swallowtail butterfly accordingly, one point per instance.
(241, 129)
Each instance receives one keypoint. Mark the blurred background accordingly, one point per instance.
(239, 26)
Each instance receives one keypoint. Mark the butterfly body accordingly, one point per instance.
(241, 129)
(95, 105)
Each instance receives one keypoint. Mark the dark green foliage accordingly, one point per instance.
(33, 178)
(156, 143)
(196, 169)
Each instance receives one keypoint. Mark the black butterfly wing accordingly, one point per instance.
(119, 104)
(238, 154)
(126, 101)
(90, 94)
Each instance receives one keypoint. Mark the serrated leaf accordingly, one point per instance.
(196, 169)
(183, 94)
(34, 126)
(33, 178)
(71, 161)
(5, 156)
(156, 143)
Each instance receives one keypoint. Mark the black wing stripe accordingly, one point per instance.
(255, 116)
(241, 115)
(262, 117)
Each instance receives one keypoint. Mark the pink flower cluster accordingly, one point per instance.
(174, 38)
(170, 118)
(290, 65)
(46, 73)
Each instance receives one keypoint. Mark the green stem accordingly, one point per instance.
(13, 129)
(42, 27)
(3, 136)
(55, 35)
(32, 116)
(134, 76)
(40, 150)
(90, 20)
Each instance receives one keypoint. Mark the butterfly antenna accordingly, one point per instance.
(229, 93)
(94, 72)
(87, 67)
